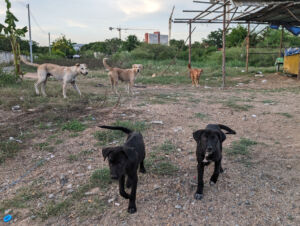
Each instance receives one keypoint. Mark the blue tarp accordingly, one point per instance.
(293, 30)
(291, 51)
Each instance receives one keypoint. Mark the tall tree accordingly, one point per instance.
(11, 31)
(63, 47)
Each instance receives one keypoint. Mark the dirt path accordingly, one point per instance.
(261, 187)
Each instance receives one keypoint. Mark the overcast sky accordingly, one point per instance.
(85, 21)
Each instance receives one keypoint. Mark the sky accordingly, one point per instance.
(85, 21)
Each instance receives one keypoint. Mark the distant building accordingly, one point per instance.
(156, 38)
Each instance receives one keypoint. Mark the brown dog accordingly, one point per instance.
(124, 75)
(195, 75)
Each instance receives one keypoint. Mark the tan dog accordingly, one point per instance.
(195, 75)
(139, 66)
(66, 74)
(124, 75)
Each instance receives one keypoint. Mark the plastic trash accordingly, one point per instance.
(7, 218)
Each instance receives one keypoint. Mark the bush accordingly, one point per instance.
(7, 79)
(154, 52)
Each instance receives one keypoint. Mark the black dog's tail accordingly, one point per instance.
(229, 131)
(123, 129)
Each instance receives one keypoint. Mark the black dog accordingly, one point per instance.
(209, 149)
(125, 160)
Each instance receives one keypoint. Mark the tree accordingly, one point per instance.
(131, 43)
(178, 44)
(214, 39)
(13, 33)
(63, 47)
(113, 45)
(237, 36)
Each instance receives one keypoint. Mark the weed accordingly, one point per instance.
(167, 147)
(55, 209)
(200, 115)
(59, 141)
(285, 114)
(101, 178)
(8, 149)
(232, 104)
(241, 147)
(73, 158)
(74, 126)
(164, 168)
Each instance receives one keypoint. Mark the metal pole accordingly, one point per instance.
(119, 29)
(30, 41)
(49, 44)
(281, 40)
(224, 46)
(190, 42)
(247, 48)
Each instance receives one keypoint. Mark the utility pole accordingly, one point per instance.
(30, 41)
(170, 25)
(119, 29)
(224, 46)
(49, 44)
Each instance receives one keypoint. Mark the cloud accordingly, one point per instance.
(72, 23)
(134, 7)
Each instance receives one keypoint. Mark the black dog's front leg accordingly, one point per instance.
(199, 192)
(122, 189)
(132, 206)
(214, 177)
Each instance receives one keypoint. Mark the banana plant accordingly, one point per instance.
(11, 31)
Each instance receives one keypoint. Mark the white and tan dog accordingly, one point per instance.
(124, 75)
(65, 74)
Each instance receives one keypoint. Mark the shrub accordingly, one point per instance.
(7, 79)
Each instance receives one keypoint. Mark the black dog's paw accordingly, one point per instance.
(213, 179)
(198, 196)
(131, 210)
(142, 170)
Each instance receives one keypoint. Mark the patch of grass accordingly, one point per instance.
(201, 115)
(285, 114)
(7, 79)
(74, 135)
(164, 80)
(269, 102)
(59, 141)
(8, 149)
(73, 158)
(240, 147)
(167, 147)
(74, 126)
(232, 104)
(21, 199)
(101, 178)
(164, 168)
(55, 209)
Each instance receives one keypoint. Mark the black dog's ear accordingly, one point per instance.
(106, 152)
(221, 136)
(197, 134)
(130, 153)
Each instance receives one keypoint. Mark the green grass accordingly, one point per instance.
(101, 178)
(167, 147)
(21, 199)
(241, 147)
(105, 136)
(237, 107)
(8, 149)
(80, 155)
(285, 114)
(164, 168)
(201, 115)
(74, 126)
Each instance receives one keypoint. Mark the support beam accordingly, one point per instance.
(281, 41)
(224, 47)
(190, 42)
(247, 48)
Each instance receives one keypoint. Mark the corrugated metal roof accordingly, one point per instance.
(279, 14)
(261, 3)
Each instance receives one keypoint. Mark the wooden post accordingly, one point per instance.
(224, 47)
(247, 48)
(190, 42)
(281, 41)
(298, 76)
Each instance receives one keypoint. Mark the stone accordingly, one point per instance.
(51, 196)
(157, 122)
(94, 191)
(178, 207)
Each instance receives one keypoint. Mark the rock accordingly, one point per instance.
(51, 196)
(177, 129)
(207, 87)
(70, 191)
(157, 122)
(16, 108)
(31, 110)
(178, 207)
(289, 167)
(117, 204)
(259, 75)
(69, 186)
(247, 203)
(244, 118)
(94, 191)
(79, 175)
(156, 186)
(264, 81)
(111, 200)
(253, 116)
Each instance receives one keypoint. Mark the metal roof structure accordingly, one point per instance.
(277, 14)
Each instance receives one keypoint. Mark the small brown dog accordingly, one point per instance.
(125, 75)
(195, 75)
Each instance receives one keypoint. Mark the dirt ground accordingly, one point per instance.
(260, 188)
